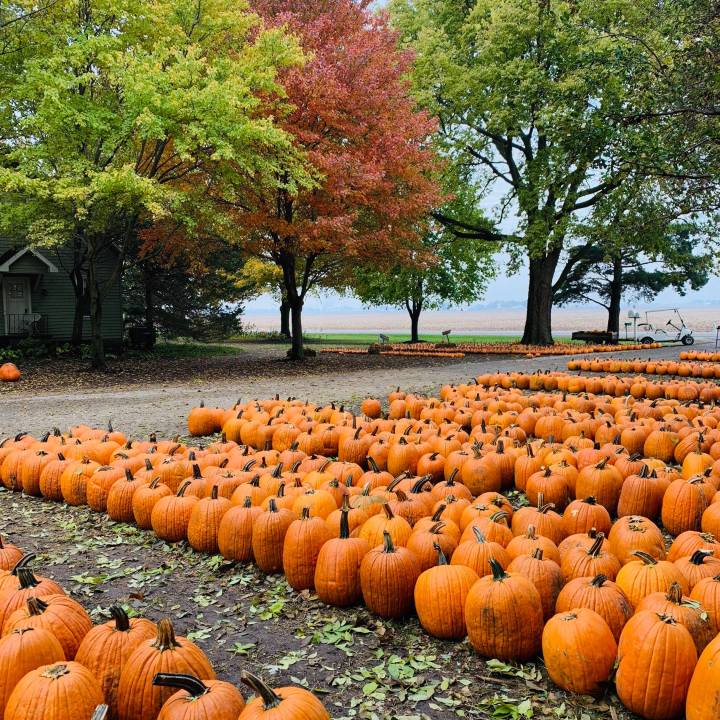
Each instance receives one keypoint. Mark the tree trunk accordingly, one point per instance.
(414, 309)
(98, 361)
(79, 314)
(297, 347)
(149, 280)
(538, 318)
(285, 317)
(616, 287)
(77, 280)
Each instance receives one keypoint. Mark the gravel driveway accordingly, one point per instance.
(144, 406)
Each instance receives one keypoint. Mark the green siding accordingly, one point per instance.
(53, 295)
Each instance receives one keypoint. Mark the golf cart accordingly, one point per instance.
(648, 332)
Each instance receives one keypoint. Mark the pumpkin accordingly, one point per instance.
(205, 520)
(476, 554)
(22, 587)
(600, 595)
(376, 526)
(422, 544)
(268, 537)
(632, 533)
(703, 697)
(337, 570)
(285, 703)
(657, 657)
(603, 482)
(545, 575)
(120, 497)
(552, 486)
(303, 541)
(234, 535)
(9, 555)
(528, 543)
(50, 478)
(30, 470)
(580, 562)
(61, 615)
(55, 692)
(74, 480)
(137, 697)
(504, 617)
(683, 505)
(688, 542)
(582, 515)
(170, 515)
(686, 611)
(99, 485)
(9, 372)
(22, 651)
(579, 651)
(646, 575)
(387, 579)
(707, 594)
(145, 499)
(543, 518)
(641, 494)
(106, 648)
(701, 564)
(196, 699)
(440, 595)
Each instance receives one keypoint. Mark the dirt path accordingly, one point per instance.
(144, 406)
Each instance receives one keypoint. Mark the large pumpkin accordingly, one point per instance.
(285, 703)
(22, 651)
(579, 651)
(657, 659)
(55, 692)
(504, 616)
(137, 697)
(703, 698)
(197, 699)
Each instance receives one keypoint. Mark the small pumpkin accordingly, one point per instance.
(196, 699)
(285, 703)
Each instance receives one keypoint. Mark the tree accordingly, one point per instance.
(124, 111)
(367, 147)
(533, 94)
(445, 270)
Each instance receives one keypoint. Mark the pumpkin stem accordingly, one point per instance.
(269, 697)
(305, 515)
(373, 465)
(436, 515)
(674, 594)
(537, 553)
(122, 621)
(101, 712)
(214, 492)
(478, 534)
(599, 580)
(698, 557)
(183, 487)
(590, 500)
(647, 559)
(442, 560)
(497, 570)
(453, 475)
(191, 684)
(500, 515)
(165, 639)
(27, 578)
(36, 606)
(530, 533)
(388, 546)
(596, 547)
(388, 511)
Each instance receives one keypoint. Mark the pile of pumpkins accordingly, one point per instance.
(405, 507)
(697, 355)
(682, 368)
(55, 664)
(638, 386)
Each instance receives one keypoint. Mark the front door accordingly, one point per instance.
(17, 303)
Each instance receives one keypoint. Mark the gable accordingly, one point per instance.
(26, 260)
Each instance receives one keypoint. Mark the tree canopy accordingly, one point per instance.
(116, 114)
(367, 147)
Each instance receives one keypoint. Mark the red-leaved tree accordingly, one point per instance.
(366, 142)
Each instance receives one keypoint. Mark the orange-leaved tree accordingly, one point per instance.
(367, 145)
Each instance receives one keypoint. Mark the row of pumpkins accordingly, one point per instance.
(411, 516)
(683, 368)
(697, 355)
(637, 386)
(55, 665)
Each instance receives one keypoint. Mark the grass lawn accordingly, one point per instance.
(367, 338)
(178, 350)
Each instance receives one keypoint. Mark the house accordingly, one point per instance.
(37, 298)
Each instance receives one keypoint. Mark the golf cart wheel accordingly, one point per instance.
(688, 340)
(647, 340)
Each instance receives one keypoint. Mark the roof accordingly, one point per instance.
(7, 262)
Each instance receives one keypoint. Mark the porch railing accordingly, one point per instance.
(25, 325)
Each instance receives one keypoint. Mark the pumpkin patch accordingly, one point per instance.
(534, 514)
